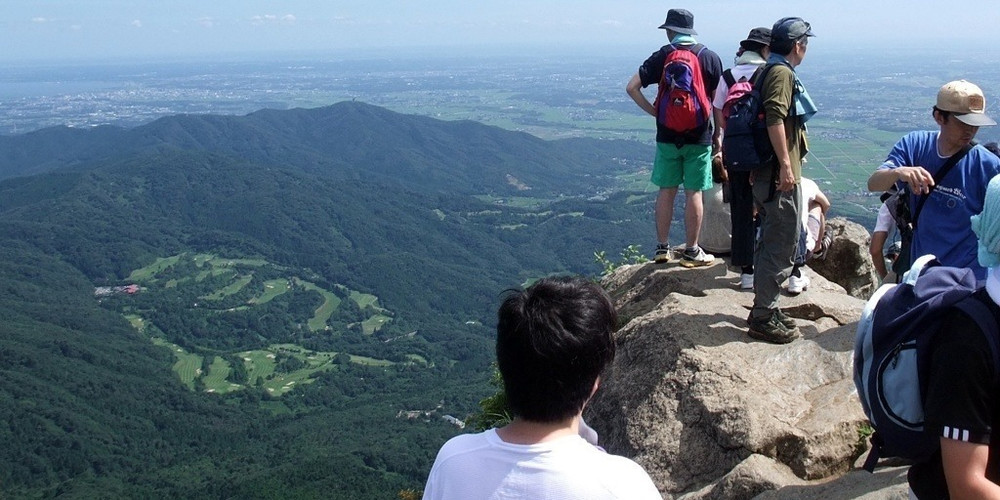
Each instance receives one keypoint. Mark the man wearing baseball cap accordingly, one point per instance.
(942, 200)
(776, 187)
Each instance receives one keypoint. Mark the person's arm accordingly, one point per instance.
(919, 179)
(876, 249)
(777, 101)
(822, 201)
(786, 178)
(965, 470)
(720, 126)
(634, 89)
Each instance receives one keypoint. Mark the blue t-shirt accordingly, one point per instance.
(944, 228)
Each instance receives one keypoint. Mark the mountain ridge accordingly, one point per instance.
(336, 139)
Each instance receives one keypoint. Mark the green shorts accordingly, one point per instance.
(690, 165)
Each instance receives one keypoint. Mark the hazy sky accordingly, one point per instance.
(76, 29)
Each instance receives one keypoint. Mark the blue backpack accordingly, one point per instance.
(891, 353)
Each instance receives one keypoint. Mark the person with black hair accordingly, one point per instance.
(554, 340)
(946, 176)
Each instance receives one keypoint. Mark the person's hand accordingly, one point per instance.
(918, 179)
(786, 179)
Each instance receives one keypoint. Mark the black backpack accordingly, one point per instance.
(745, 143)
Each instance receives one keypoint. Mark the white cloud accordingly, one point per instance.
(205, 22)
(136, 23)
(39, 20)
(260, 20)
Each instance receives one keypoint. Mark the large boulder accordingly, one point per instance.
(711, 413)
(847, 262)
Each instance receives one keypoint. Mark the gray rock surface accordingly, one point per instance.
(847, 262)
(711, 413)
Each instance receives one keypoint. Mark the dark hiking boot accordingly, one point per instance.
(772, 330)
(785, 319)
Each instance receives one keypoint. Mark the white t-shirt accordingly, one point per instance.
(483, 466)
(809, 191)
(884, 222)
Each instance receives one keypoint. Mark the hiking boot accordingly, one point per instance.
(785, 319)
(772, 330)
(662, 254)
(797, 284)
(696, 257)
(746, 281)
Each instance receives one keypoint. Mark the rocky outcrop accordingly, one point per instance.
(847, 261)
(711, 413)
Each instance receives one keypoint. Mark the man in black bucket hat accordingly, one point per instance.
(682, 157)
(679, 21)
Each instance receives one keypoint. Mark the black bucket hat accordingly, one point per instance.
(680, 21)
(758, 35)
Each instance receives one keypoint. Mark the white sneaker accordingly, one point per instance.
(697, 258)
(746, 281)
(797, 285)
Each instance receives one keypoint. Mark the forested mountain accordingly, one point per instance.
(434, 219)
(345, 140)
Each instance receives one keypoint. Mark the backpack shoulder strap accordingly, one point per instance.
(760, 74)
(938, 177)
(727, 75)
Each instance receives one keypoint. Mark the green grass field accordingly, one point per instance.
(272, 289)
(330, 304)
(230, 289)
(187, 367)
(215, 379)
(364, 299)
(260, 364)
(374, 323)
(147, 273)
